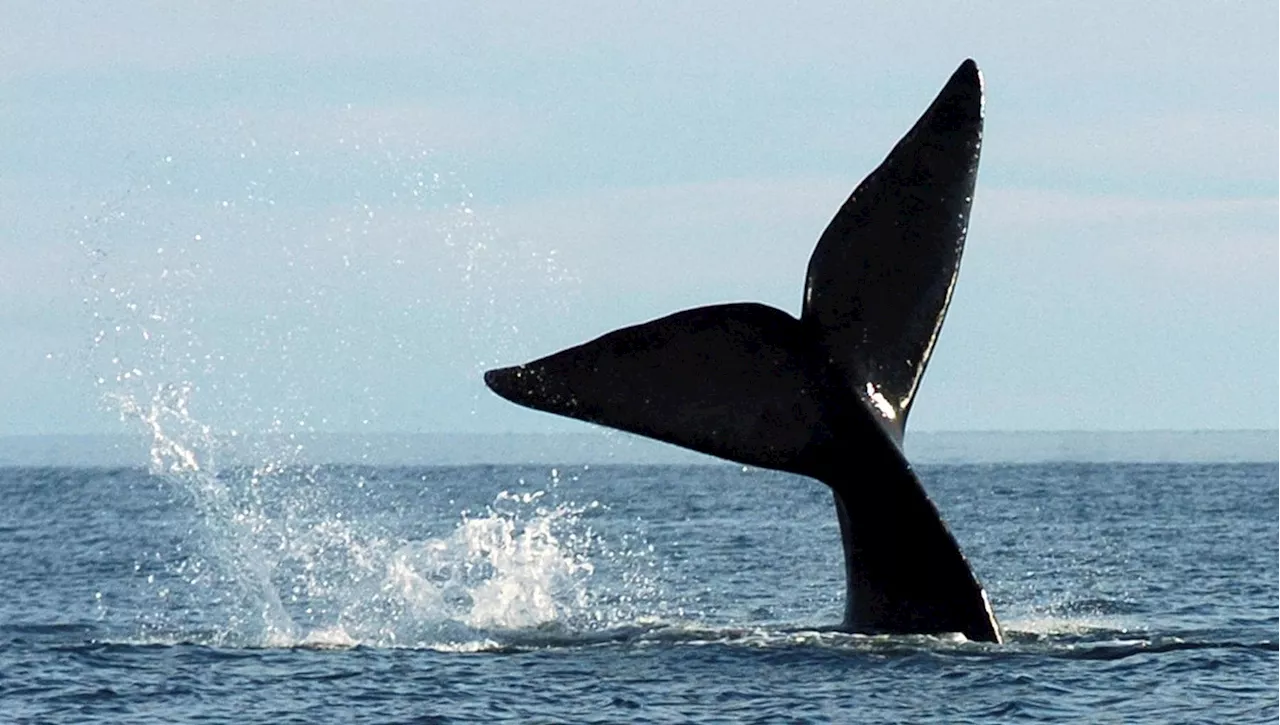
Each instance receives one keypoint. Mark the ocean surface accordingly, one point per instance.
(1129, 593)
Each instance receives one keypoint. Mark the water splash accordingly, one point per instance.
(286, 556)
(230, 318)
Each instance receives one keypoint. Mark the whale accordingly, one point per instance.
(825, 395)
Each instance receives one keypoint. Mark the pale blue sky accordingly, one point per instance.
(390, 197)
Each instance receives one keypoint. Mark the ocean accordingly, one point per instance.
(692, 593)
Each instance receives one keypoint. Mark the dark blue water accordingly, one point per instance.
(1129, 593)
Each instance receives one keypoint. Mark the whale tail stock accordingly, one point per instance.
(826, 395)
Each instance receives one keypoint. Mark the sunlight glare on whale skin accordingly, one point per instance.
(881, 403)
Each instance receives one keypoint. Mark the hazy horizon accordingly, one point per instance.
(601, 446)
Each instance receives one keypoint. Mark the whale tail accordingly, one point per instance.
(826, 395)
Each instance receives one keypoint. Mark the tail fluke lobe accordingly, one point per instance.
(881, 276)
(738, 381)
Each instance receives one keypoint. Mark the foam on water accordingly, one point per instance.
(1050, 625)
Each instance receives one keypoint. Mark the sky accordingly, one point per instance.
(334, 216)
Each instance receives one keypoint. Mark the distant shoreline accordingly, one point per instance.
(601, 447)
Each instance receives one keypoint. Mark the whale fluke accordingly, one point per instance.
(826, 395)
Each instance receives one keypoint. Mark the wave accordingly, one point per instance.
(1099, 644)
